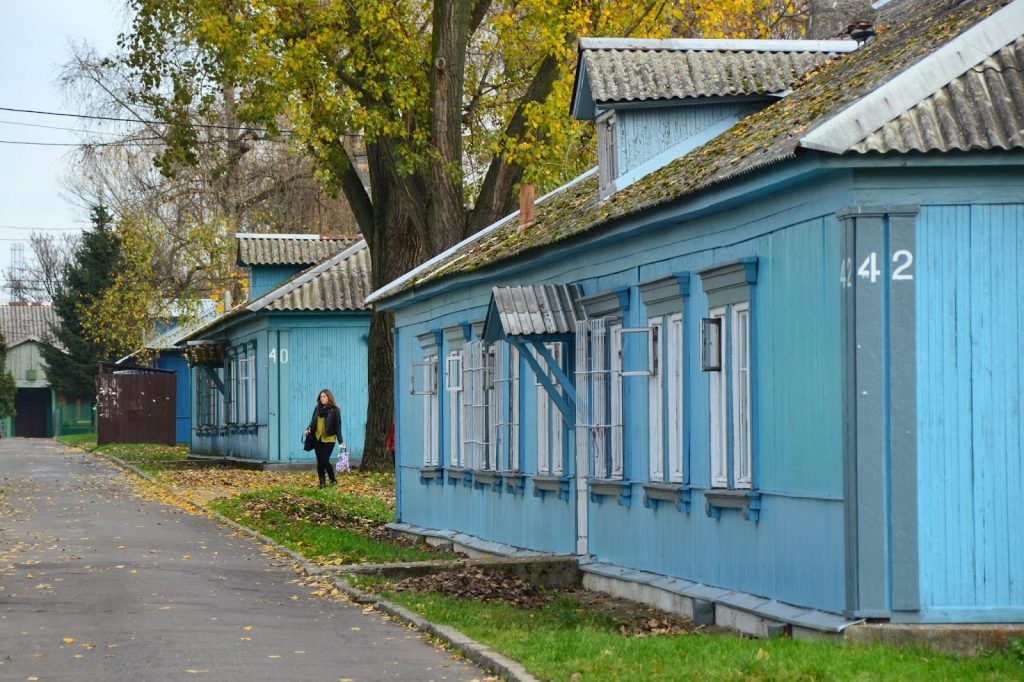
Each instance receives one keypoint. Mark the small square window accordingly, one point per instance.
(711, 344)
(424, 378)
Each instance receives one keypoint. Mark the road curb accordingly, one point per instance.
(475, 651)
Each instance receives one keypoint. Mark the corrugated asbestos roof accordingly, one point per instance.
(341, 283)
(767, 137)
(549, 309)
(982, 109)
(288, 249)
(639, 75)
(27, 321)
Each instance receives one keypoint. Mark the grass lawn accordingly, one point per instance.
(79, 440)
(329, 526)
(565, 641)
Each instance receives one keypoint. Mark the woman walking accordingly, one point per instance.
(325, 425)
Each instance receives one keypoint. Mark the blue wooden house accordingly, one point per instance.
(764, 365)
(258, 368)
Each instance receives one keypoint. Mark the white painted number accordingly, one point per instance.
(283, 356)
(869, 268)
(846, 274)
(900, 271)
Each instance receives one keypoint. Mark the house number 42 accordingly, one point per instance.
(902, 260)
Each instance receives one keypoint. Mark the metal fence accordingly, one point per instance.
(135, 406)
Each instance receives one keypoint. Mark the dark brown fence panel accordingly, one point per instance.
(135, 407)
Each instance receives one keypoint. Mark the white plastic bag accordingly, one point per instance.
(342, 464)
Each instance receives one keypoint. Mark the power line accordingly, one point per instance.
(94, 117)
(137, 142)
(73, 130)
(23, 227)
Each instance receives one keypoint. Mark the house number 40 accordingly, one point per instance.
(282, 355)
(868, 270)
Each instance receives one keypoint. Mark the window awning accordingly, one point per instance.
(533, 311)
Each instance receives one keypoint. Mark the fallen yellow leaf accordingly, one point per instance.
(69, 640)
(247, 628)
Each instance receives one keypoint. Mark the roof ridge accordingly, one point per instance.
(920, 80)
(716, 45)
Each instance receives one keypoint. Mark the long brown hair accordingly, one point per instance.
(330, 398)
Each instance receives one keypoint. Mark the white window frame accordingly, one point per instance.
(478, 372)
(731, 401)
(242, 382)
(718, 414)
(739, 334)
(615, 404)
(550, 424)
(675, 377)
(505, 424)
(430, 406)
(456, 418)
(251, 385)
(231, 382)
(598, 399)
(656, 405)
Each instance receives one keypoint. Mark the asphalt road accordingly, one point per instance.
(98, 583)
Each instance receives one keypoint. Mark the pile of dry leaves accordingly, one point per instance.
(478, 584)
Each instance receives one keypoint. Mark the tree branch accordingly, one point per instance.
(496, 197)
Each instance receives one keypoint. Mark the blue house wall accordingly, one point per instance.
(175, 361)
(264, 278)
(297, 355)
(917, 533)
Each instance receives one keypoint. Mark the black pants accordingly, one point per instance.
(323, 461)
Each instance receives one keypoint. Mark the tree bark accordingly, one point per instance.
(445, 213)
(381, 406)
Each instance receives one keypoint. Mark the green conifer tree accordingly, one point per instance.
(71, 358)
(7, 386)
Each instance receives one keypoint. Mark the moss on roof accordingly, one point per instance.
(764, 138)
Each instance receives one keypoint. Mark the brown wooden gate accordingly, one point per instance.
(135, 405)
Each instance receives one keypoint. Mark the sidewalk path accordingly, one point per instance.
(97, 583)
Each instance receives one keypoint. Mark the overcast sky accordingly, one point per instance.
(34, 42)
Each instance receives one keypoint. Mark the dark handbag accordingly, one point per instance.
(308, 442)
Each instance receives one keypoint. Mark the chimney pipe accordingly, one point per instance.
(526, 194)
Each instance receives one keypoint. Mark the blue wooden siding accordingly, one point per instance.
(263, 278)
(970, 330)
(296, 356)
(645, 133)
(332, 357)
(795, 553)
(175, 362)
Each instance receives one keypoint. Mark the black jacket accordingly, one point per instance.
(332, 423)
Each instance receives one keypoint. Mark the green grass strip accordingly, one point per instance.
(323, 525)
(79, 440)
(565, 641)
